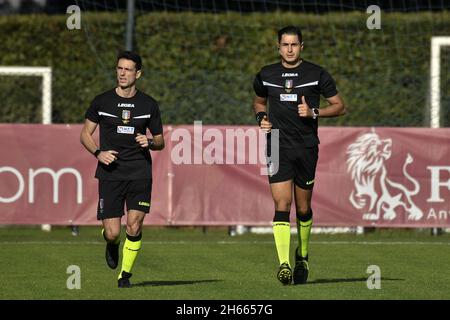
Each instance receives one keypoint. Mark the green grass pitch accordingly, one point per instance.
(190, 264)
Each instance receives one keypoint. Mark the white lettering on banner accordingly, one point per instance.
(55, 176)
(440, 215)
(21, 184)
(31, 180)
(436, 183)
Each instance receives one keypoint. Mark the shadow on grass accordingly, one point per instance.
(320, 281)
(171, 283)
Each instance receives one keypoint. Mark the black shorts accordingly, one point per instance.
(113, 195)
(297, 164)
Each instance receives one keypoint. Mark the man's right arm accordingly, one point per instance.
(86, 136)
(260, 101)
(259, 106)
(105, 157)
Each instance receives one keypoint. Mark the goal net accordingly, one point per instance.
(199, 55)
(22, 100)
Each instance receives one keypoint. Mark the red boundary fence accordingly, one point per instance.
(211, 175)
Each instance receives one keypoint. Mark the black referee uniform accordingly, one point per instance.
(298, 138)
(129, 178)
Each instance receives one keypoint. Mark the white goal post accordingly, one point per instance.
(435, 78)
(46, 74)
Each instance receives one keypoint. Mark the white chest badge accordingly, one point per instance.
(288, 97)
(125, 129)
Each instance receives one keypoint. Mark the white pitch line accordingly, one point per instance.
(383, 242)
(347, 242)
(230, 242)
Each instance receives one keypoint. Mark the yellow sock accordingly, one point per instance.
(282, 235)
(304, 231)
(130, 252)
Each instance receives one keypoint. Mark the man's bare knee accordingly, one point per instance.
(282, 205)
(133, 229)
(111, 234)
(303, 210)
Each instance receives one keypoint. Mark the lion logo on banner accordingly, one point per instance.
(374, 192)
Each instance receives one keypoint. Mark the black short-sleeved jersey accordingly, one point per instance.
(284, 88)
(120, 119)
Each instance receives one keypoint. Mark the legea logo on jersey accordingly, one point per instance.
(125, 105)
(287, 74)
(126, 115)
(374, 193)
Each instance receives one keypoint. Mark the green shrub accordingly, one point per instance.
(201, 66)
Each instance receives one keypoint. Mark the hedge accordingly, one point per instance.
(201, 66)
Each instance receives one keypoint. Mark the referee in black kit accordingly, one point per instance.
(293, 88)
(124, 169)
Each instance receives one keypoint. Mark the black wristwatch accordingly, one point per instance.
(260, 116)
(315, 113)
(97, 152)
(150, 143)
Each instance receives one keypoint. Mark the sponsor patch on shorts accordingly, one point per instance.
(144, 204)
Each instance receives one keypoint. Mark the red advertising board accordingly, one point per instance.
(215, 175)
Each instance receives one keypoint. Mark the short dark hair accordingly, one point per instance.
(292, 30)
(133, 56)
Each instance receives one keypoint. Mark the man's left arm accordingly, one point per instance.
(335, 108)
(155, 143)
(155, 127)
